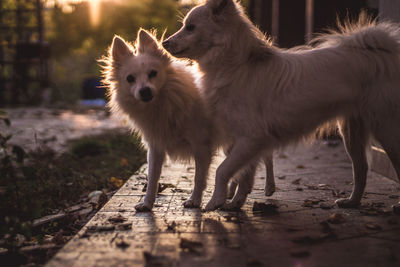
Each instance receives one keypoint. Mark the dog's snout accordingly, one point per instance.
(166, 44)
(145, 94)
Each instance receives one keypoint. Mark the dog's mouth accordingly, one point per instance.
(180, 52)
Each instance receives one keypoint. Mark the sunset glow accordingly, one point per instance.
(94, 6)
(94, 11)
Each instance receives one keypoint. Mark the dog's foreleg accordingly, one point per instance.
(270, 180)
(203, 161)
(246, 182)
(155, 159)
(233, 184)
(244, 151)
(355, 139)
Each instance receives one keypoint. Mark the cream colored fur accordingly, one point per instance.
(172, 116)
(265, 97)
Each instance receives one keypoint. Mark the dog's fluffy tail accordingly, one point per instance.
(363, 33)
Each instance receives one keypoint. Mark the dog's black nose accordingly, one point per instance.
(165, 44)
(145, 94)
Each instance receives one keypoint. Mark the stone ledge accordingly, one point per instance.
(298, 235)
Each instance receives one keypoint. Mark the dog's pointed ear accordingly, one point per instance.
(217, 6)
(146, 42)
(119, 49)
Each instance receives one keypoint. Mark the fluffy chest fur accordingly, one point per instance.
(175, 121)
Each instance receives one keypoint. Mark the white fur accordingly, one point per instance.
(175, 121)
(265, 97)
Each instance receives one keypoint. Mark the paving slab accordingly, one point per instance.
(302, 233)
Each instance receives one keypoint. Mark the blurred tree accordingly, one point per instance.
(76, 44)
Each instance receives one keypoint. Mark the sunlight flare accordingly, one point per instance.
(94, 9)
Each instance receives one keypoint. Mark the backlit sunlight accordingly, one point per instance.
(94, 12)
(94, 6)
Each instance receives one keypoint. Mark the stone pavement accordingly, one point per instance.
(306, 229)
(35, 127)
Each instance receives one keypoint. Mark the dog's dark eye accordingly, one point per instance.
(130, 78)
(152, 74)
(190, 27)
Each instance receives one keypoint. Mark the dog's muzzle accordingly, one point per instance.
(166, 44)
(145, 94)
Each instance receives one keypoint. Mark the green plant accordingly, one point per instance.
(40, 183)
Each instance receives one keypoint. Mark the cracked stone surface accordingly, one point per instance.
(307, 230)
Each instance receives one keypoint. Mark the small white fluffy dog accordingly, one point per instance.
(266, 97)
(161, 100)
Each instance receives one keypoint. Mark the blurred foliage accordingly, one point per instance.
(76, 44)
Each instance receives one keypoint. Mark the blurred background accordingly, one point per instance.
(49, 48)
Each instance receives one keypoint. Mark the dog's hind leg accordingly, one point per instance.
(155, 159)
(203, 160)
(243, 152)
(355, 136)
(245, 185)
(269, 168)
(388, 136)
(270, 180)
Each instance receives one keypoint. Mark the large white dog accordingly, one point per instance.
(267, 97)
(159, 97)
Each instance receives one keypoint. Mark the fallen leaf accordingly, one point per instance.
(190, 246)
(373, 226)
(300, 254)
(265, 208)
(162, 187)
(296, 181)
(171, 227)
(117, 219)
(124, 162)
(336, 218)
(254, 263)
(155, 260)
(116, 182)
(326, 206)
(59, 239)
(396, 209)
(312, 187)
(122, 243)
(308, 203)
(124, 226)
(101, 228)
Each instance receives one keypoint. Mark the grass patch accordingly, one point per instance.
(43, 183)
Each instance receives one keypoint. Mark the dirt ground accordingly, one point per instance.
(55, 194)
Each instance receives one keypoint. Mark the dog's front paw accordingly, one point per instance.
(347, 203)
(269, 191)
(214, 204)
(191, 204)
(231, 206)
(142, 207)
